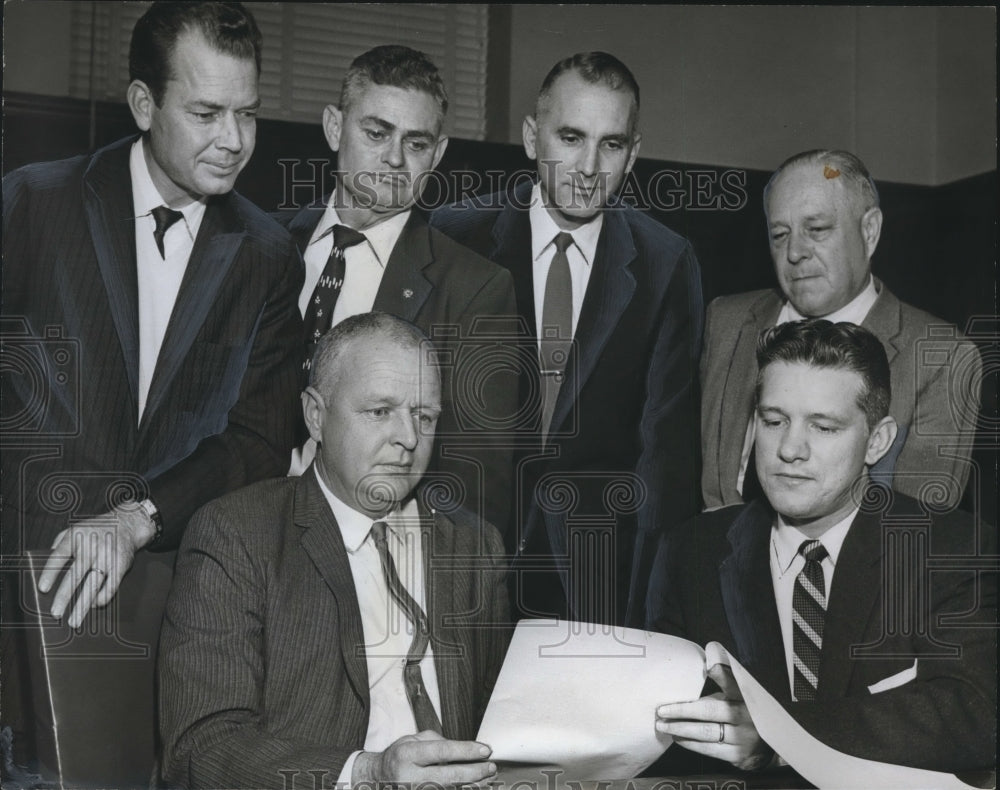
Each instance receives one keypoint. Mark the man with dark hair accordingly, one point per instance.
(613, 303)
(824, 223)
(869, 616)
(297, 600)
(368, 247)
(161, 305)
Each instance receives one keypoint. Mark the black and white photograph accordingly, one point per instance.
(513, 396)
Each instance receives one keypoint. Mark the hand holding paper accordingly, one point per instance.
(717, 725)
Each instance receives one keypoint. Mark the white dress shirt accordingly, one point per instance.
(387, 630)
(580, 255)
(364, 264)
(854, 312)
(786, 563)
(159, 278)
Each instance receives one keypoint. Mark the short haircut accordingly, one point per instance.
(396, 66)
(228, 27)
(324, 373)
(594, 67)
(842, 346)
(849, 166)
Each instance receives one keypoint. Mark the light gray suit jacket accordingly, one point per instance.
(935, 395)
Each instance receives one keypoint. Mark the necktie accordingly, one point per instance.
(423, 709)
(808, 612)
(163, 217)
(319, 312)
(557, 328)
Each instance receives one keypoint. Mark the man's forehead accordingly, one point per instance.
(387, 104)
(800, 382)
(571, 98)
(810, 183)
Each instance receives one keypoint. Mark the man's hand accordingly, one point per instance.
(99, 552)
(426, 757)
(717, 725)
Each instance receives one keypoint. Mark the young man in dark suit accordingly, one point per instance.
(336, 627)
(613, 302)
(156, 311)
(367, 246)
(869, 616)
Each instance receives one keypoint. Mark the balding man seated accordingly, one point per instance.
(333, 627)
(824, 223)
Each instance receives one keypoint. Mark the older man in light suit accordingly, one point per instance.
(824, 223)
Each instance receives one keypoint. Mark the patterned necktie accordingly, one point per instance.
(423, 709)
(808, 612)
(163, 217)
(319, 312)
(557, 328)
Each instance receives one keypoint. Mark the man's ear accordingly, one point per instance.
(880, 440)
(529, 131)
(871, 229)
(333, 125)
(314, 412)
(439, 148)
(140, 102)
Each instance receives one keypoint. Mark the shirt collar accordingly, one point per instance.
(145, 195)
(381, 238)
(854, 312)
(355, 527)
(786, 539)
(544, 230)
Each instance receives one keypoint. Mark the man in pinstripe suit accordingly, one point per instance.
(150, 314)
(282, 653)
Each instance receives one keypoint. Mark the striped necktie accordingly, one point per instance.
(416, 692)
(808, 613)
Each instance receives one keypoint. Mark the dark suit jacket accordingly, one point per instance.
(445, 289)
(886, 608)
(262, 668)
(623, 449)
(932, 400)
(222, 407)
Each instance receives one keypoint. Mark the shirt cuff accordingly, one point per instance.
(344, 780)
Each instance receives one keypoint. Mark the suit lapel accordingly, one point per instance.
(321, 540)
(748, 598)
(884, 320)
(740, 382)
(303, 224)
(110, 217)
(857, 581)
(512, 250)
(609, 292)
(404, 288)
(219, 239)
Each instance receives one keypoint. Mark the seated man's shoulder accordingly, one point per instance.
(470, 534)
(259, 512)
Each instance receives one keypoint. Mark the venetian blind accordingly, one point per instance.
(307, 49)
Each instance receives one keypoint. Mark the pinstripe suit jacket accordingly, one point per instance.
(222, 406)
(262, 668)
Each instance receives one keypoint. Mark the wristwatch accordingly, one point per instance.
(154, 515)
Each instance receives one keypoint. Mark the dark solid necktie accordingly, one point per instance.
(557, 328)
(423, 709)
(808, 614)
(319, 311)
(163, 217)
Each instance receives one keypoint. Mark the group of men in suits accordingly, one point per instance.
(208, 317)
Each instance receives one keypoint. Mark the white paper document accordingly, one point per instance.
(576, 701)
(821, 765)
(581, 699)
